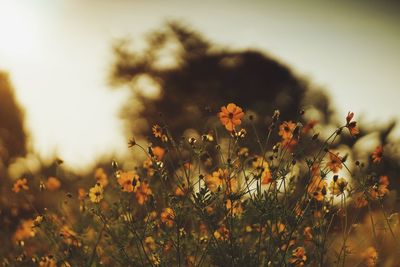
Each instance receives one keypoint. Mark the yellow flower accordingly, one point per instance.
(20, 184)
(338, 187)
(96, 193)
(150, 243)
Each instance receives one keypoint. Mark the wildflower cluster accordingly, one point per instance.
(228, 196)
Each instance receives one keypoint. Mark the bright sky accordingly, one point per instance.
(58, 53)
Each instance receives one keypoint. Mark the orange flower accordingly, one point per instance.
(335, 163)
(222, 233)
(298, 257)
(101, 177)
(20, 184)
(129, 181)
(167, 217)
(47, 262)
(317, 188)
(24, 231)
(70, 237)
(158, 152)
(143, 192)
(53, 183)
(214, 182)
(286, 130)
(360, 200)
(308, 233)
(352, 125)
(377, 154)
(370, 256)
(309, 126)
(181, 191)
(262, 167)
(235, 209)
(230, 116)
(381, 189)
(81, 194)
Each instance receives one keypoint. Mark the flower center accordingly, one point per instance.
(230, 115)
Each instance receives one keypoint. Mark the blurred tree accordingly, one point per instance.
(180, 72)
(12, 133)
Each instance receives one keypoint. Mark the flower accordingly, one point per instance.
(308, 233)
(38, 220)
(47, 262)
(381, 188)
(222, 233)
(150, 244)
(143, 192)
(286, 130)
(317, 188)
(96, 193)
(335, 163)
(167, 217)
(262, 168)
(235, 209)
(370, 257)
(157, 130)
(351, 125)
(53, 183)
(129, 181)
(230, 116)
(338, 187)
(298, 257)
(158, 152)
(20, 184)
(214, 182)
(309, 126)
(132, 142)
(101, 177)
(24, 231)
(377, 154)
(69, 236)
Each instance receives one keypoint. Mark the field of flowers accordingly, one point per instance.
(230, 196)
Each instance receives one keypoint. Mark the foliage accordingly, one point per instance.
(295, 202)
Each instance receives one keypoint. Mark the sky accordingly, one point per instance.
(59, 53)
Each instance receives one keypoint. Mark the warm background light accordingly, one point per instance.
(58, 54)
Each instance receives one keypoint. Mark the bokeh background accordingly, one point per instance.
(60, 55)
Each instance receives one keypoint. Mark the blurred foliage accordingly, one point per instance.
(199, 75)
(12, 132)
